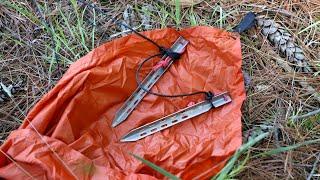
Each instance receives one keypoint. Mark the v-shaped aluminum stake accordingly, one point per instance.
(177, 117)
(129, 105)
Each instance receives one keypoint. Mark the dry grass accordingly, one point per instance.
(33, 43)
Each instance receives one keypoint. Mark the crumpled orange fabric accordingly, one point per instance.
(74, 138)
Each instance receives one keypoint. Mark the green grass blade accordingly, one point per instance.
(63, 39)
(93, 28)
(155, 167)
(83, 30)
(309, 27)
(223, 174)
(51, 31)
(12, 38)
(22, 10)
(221, 17)
(240, 167)
(178, 12)
(79, 23)
(164, 14)
(66, 22)
(288, 148)
(192, 18)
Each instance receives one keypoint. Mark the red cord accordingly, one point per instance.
(191, 104)
(163, 63)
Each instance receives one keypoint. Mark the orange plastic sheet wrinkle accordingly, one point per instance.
(74, 118)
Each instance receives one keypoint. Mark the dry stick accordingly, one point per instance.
(314, 167)
(20, 167)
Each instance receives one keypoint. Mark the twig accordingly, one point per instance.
(312, 113)
(314, 167)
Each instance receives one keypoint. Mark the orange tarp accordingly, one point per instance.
(74, 138)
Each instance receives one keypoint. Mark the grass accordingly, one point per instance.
(39, 41)
(230, 169)
(235, 167)
(155, 167)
